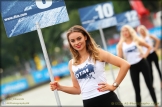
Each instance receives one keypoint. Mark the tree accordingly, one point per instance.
(16, 50)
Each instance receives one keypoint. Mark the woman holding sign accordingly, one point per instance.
(152, 57)
(129, 48)
(87, 69)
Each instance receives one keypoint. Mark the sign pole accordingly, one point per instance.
(105, 47)
(47, 62)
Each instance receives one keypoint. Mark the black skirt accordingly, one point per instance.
(109, 99)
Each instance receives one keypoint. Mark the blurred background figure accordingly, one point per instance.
(128, 46)
(157, 18)
(152, 57)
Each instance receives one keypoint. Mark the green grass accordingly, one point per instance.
(10, 78)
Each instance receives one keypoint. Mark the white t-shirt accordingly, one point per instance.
(149, 41)
(131, 53)
(89, 75)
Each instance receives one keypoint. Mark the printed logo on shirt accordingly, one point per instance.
(85, 72)
(132, 49)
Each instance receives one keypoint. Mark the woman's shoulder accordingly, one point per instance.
(100, 50)
(102, 54)
(71, 61)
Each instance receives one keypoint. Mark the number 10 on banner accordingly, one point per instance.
(105, 10)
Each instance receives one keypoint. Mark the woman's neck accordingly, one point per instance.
(83, 53)
(128, 40)
(144, 36)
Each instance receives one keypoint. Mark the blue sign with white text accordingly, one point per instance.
(97, 16)
(20, 16)
(14, 87)
(127, 18)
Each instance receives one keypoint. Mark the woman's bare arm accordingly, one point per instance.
(116, 61)
(157, 42)
(75, 89)
(142, 43)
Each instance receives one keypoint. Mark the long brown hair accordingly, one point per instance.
(91, 46)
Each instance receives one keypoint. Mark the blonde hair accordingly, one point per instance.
(134, 36)
(91, 46)
(144, 28)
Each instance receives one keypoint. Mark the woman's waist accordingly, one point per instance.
(143, 60)
(134, 60)
(88, 94)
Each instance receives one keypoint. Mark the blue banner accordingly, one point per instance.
(112, 49)
(156, 31)
(61, 69)
(40, 76)
(58, 70)
(14, 87)
(127, 18)
(21, 16)
(97, 16)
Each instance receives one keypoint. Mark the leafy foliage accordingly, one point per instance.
(16, 50)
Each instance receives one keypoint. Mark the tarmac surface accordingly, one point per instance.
(43, 96)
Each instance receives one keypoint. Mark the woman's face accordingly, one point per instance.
(142, 31)
(77, 40)
(125, 32)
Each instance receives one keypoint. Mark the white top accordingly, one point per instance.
(89, 75)
(131, 53)
(149, 41)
